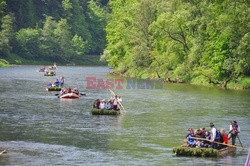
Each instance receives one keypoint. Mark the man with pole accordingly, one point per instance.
(233, 132)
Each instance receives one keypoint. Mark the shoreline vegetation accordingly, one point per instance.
(242, 84)
(4, 63)
(198, 42)
(87, 60)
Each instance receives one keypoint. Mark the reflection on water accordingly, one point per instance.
(38, 128)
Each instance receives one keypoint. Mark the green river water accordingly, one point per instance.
(37, 128)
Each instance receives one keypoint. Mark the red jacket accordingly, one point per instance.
(225, 138)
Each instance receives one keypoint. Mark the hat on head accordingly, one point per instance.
(211, 124)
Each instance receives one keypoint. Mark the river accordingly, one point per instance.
(37, 128)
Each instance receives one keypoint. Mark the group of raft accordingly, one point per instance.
(50, 72)
(58, 84)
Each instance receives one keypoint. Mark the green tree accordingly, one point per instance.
(6, 35)
(49, 45)
(2, 8)
(74, 14)
(97, 19)
(79, 46)
(63, 37)
(24, 12)
(28, 41)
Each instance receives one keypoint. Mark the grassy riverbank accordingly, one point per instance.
(4, 63)
(84, 60)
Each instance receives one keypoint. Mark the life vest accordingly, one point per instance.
(217, 135)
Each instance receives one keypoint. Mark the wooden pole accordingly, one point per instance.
(239, 140)
(113, 93)
(217, 142)
(3, 152)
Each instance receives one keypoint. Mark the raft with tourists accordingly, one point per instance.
(49, 73)
(213, 143)
(113, 106)
(54, 67)
(42, 69)
(70, 94)
(56, 86)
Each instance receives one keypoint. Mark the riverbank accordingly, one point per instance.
(85, 60)
(241, 84)
(4, 63)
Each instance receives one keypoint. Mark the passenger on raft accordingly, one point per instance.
(65, 91)
(102, 104)
(96, 104)
(49, 84)
(62, 92)
(207, 139)
(62, 81)
(75, 90)
(57, 83)
(107, 106)
(115, 103)
(68, 90)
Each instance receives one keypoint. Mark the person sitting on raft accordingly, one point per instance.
(75, 90)
(57, 83)
(224, 137)
(68, 90)
(207, 144)
(49, 84)
(63, 91)
(102, 105)
(111, 105)
(96, 104)
(107, 106)
(190, 141)
(61, 81)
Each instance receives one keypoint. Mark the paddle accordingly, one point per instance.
(239, 140)
(3, 152)
(113, 93)
(83, 94)
(218, 142)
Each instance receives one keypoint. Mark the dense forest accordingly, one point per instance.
(175, 40)
(52, 30)
(180, 40)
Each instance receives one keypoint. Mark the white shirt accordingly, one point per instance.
(213, 134)
(231, 127)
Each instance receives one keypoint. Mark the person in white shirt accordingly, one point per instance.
(233, 131)
(215, 136)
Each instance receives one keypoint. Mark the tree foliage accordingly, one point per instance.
(57, 30)
(180, 40)
(6, 35)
